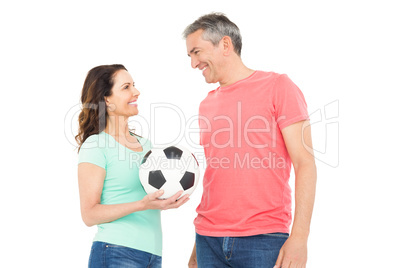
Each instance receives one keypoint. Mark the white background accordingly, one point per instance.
(344, 55)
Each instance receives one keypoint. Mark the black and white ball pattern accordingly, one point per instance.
(172, 169)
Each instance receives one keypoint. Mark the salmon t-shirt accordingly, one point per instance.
(246, 182)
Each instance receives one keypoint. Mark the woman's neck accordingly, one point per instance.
(117, 126)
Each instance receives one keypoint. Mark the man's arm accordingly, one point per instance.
(299, 145)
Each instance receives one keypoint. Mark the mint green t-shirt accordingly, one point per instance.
(140, 230)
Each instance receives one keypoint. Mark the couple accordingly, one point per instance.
(245, 211)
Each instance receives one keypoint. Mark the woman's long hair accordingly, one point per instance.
(98, 85)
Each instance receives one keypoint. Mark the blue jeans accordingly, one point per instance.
(239, 252)
(105, 255)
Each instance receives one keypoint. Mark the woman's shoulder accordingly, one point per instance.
(95, 141)
(92, 151)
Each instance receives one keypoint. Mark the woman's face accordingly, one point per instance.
(123, 101)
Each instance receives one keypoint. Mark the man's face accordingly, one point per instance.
(205, 56)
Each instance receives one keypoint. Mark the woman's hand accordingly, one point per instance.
(151, 201)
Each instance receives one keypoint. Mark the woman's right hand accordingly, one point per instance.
(151, 201)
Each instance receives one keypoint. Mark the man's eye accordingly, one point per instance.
(196, 52)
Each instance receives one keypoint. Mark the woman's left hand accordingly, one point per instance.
(151, 201)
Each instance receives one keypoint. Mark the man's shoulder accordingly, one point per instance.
(262, 80)
(266, 75)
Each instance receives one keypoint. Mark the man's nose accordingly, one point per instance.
(194, 62)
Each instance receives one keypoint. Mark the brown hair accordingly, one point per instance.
(98, 85)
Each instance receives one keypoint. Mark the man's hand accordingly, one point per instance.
(293, 253)
(192, 263)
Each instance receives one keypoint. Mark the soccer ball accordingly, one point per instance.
(171, 169)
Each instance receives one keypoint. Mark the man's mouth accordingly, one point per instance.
(203, 69)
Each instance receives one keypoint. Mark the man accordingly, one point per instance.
(253, 127)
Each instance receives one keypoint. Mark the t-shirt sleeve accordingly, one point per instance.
(289, 102)
(91, 152)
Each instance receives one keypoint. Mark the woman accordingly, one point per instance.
(111, 196)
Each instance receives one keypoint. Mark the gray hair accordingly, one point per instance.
(216, 26)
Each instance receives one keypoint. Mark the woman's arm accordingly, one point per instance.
(90, 182)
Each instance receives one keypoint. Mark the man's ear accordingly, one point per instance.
(227, 45)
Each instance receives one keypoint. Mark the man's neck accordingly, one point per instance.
(236, 72)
